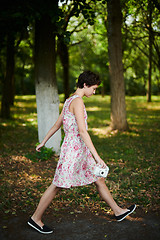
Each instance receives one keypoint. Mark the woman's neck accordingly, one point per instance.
(79, 92)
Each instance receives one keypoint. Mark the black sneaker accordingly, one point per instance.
(124, 215)
(44, 229)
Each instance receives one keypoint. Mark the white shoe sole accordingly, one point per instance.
(127, 214)
(39, 229)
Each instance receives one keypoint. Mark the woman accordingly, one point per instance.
(78, 157)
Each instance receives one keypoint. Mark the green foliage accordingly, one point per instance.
(135, 87)
(136, 45)
(43, 155)
(85, 34)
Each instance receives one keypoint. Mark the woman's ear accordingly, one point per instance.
(84, 85)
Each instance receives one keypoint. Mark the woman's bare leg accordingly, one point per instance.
(45, 200)
(107, 197)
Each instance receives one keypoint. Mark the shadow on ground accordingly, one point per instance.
(85, 226)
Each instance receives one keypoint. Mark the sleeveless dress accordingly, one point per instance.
(76, 163)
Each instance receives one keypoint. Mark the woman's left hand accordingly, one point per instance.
(101, 162)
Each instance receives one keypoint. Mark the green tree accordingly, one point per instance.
(12, 26)
(141, 36)
(89, 50)
(82, 13)
(24, 68)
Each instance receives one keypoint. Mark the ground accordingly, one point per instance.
(85, 225)
(132, 156)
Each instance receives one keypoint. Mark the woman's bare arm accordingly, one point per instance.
(52, 131)
(78, 110)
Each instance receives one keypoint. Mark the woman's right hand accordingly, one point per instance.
(39, 147)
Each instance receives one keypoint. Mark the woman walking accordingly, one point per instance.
(78, 157)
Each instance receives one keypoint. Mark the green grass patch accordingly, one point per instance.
(44, 155)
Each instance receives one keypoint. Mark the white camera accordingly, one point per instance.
(101, 172)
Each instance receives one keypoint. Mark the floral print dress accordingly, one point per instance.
(76, 164)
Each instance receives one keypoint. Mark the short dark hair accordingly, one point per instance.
(89, 78)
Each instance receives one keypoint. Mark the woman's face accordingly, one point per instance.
(89, 91)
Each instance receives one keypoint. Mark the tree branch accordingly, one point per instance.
(144, 52)
(77, 43)
(79, 24)
(157, 4)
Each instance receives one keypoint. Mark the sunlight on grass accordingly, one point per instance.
(34, 177)
(101, 132)
(92, 109)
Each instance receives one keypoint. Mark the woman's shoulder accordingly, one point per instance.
(73, 100)
(76, 99)
(76, 102)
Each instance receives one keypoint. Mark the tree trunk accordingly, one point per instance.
(64, 57)
(8, 84)
(45, 76)
(149, 89)
(118, 106)
(22, 79)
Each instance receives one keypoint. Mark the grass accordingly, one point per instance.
(133, 157)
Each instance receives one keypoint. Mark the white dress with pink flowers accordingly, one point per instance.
(76, 164)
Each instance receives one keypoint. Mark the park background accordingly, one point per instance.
(51, 44)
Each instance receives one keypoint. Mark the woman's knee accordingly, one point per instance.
(54, 187)
(100, 181)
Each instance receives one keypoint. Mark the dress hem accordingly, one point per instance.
(71, 186)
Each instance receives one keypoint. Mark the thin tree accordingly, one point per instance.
(7, 90)
(149, 89)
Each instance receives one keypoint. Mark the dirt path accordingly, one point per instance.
(85, 226)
